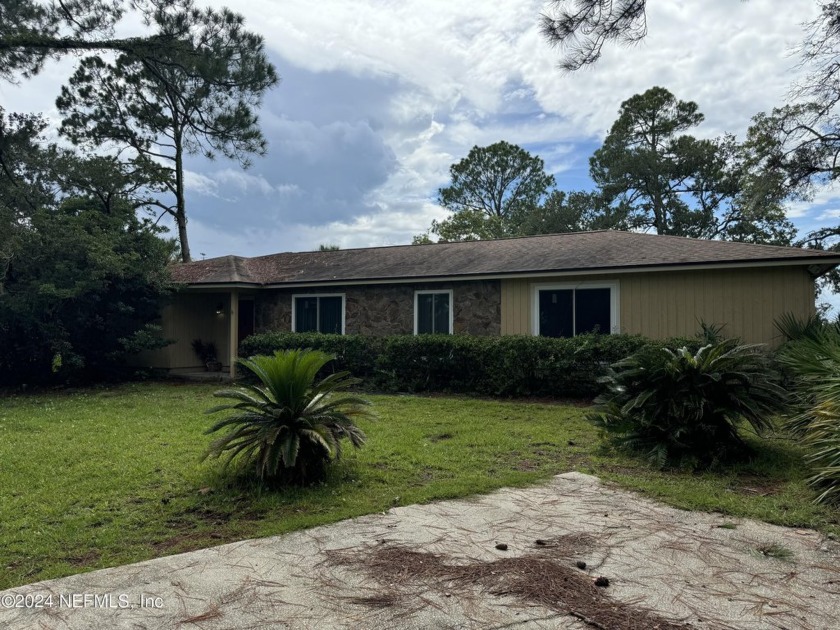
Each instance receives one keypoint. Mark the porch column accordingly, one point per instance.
(234, 330)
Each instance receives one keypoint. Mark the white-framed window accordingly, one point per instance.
(322, 312)
(569, 309)
(433, 312)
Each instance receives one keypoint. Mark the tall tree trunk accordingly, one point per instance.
(180, 205)
(659, 221)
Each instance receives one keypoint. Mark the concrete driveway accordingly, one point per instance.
(511, 559)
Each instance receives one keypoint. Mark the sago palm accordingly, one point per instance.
(814, 361)
(288, 427)
(685, 407)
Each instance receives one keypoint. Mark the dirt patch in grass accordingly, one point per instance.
(183, 541)
(615, 469)
(254, 515)
(535, 400)
(754, 485)
(546, 576)
(526, 465)
(566, 402)
(429, 474)
(86, 559)
(207, 514)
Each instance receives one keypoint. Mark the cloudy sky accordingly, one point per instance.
(379, 97)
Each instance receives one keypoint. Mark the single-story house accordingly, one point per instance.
(556, 285)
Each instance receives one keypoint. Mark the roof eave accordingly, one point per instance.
(817, 270)
(829, 264)
(187, 286)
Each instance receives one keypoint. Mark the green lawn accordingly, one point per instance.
(101, 477)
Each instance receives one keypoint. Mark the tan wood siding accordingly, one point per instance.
(516, 307)
(666, 304)
(191, 315)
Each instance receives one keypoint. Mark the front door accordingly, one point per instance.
(246, 319)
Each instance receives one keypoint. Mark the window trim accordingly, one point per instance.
(295, 296)
(613, 285)
(451, 307)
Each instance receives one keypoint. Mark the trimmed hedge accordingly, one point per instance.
(509, 366)
(355, 353)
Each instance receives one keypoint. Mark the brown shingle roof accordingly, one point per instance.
(581, 251)
(223, 270)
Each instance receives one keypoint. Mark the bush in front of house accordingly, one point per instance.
(813, 362)
(353, 353)
(82, 295)
(502, 366)
(509, 366)
(685, 408)
(290, 426)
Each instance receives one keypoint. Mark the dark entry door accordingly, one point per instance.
(246, 319)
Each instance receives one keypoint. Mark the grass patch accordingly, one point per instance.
(102, 477)
(774, 550)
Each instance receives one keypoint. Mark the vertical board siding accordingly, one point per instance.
(193, 316)
(516, 307)
(672, 303)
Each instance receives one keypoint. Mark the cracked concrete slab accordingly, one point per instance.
(683, 565)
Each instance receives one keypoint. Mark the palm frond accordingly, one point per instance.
(814, 361)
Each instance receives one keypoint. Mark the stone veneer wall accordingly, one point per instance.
(388, 309)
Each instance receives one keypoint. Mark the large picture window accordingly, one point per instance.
(566, 310)
(318, 313)
(433, 312)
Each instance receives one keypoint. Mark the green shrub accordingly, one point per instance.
(509, 366)
(82, 294)
(425, 363)
(814, 363)
(290, 427)
(684, 407)
(502, 366)
(353, 353)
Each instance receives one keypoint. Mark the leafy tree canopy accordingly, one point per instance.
(800, 141)
(33, 32)
(189, 82)
(650, 173)
(575, 211)
(796, 145)
(199, 96)
(673, 183)
(491, 190)
(580, 28)
(82, 277)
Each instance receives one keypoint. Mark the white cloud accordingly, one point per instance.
(380, 97)
(822, 197)
(245, 183)
(200, 184)
(834, 213)
(733, 58)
